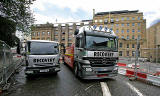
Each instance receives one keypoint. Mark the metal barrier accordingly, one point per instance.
(7, 63)
(148, 71)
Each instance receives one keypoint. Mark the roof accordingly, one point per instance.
(116, 12)
(96, 31)
(42, 41)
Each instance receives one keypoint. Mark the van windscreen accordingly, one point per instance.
(43, 48)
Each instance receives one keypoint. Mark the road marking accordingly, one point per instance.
(88, 87)
(135, 89)
(105, 89)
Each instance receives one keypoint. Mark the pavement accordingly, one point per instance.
(66, 84)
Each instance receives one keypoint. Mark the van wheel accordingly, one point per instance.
(76, 72)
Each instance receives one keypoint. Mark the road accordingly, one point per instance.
(66, 84)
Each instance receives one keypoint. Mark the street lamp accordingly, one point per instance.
(137, 54)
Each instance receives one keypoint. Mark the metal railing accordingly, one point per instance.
(7, 63)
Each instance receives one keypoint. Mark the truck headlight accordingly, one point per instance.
(88, 69)
(115, 68)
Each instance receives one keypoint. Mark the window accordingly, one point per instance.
(133, 24)
(132, 45)
(38, 33)
(70, 32)
(138, 45)
(100, 20)
(111, 25)
(127, 45)
(63, 38)
(43, 33)
(120, 45)
(122, 25)
(133, 53)
(127, 53)
(106, 20)
(48, 33)
(117, 25)
(56, 33)
(63, 32)
(133, 18)
(127, 36)
(127, 24)
(69, 38)
(122, 37)
(120, 53)
(138, 18)
(117, 19)
(127, 30)
(117, 30)
(139, 30)
(133, 31)
(112, 20)
(127, 18)
(139, 37)
(122, 18)
(33, 34)
(133, 37)
(138, 24)
(122, 31)
(63, 27)
(69, 44)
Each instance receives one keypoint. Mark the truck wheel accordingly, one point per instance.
(76, 72)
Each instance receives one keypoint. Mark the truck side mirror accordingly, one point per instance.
(76, 32)
(55, 47)
(18, 49)
(80, 49)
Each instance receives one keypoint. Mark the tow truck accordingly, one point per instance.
(94, 53)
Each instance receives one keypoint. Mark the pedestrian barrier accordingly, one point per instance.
(139, 74)
(121, 64)
(8, 63)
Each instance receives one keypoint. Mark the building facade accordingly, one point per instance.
(60, 32)
(153, 43)
(128, 26)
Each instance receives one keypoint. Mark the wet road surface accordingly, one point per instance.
(62, 84)
(66, 84)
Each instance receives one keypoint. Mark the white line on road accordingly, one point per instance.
(88, 87)
(105, 89)
(135, 89)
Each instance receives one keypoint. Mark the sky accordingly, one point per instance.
(76, 10)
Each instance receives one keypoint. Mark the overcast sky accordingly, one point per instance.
(77, 10)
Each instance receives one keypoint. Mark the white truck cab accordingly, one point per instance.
(41, 57)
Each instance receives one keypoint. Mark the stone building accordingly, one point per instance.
(153, 42)
(128, 26)
(60, 32)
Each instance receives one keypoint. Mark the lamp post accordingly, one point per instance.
(136, 59)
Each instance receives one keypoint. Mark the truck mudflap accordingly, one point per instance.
(98, 72)
(41, 70)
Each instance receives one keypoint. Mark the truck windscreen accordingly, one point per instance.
(101, 43)
(43, 48)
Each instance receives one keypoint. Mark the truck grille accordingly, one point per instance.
(101, 61)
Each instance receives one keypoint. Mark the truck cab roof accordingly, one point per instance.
(89, 30)
(41, 41)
